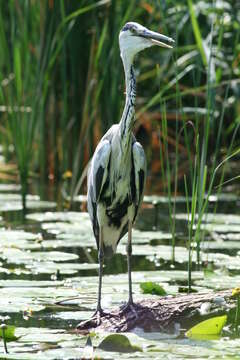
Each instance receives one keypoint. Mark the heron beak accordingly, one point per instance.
(156, 38)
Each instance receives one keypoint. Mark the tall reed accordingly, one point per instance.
(68, 81)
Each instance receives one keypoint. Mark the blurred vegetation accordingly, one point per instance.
(62, 87)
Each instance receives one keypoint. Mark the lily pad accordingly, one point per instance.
(16, 205)
(145, 237)
(73, 315)
(48, 248)
(62, 268)
(6, 234)
(8, 197)
(69, 241)
(213, 282)
(8, 332)
(155, 199)
(158, 251)
(17, 256)
(56, 228)
(150, 287)
(213, 218)
(70, 216)
(29, 283)
(211, 326)
(119, 343)
(10, 187)
(221, 228)
(78, 198)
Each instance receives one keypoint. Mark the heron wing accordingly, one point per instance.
(140, 171)
(99, 168)
(97, 177)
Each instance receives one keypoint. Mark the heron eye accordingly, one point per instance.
(133, 30)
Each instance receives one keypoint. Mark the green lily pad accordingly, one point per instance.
(19, 239)
(212, 282)
(17, 197)
(8, 332)
(221, 228)
(220, 245)
(6, 234)
(56, 228)
(155, 199)
(211, 326)
(70, 216)
(49, 249)
(17, 256)
(10, 187)
(62, 268)
(156, 252)
(35, 298)
(145, 237)
(73, 315)
(69, 241)
(19, 303)
(119, 343)
(47, 335)
(30, 283)
(212, 218)
(16, 205)
(150, 287)
(78, 198)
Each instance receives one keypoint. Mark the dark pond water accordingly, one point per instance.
(48, 274)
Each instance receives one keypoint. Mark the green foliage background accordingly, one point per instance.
(62, 83)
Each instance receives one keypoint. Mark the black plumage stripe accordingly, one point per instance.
(141, 177)
(99, 178)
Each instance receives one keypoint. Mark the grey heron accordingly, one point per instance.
(117, 172)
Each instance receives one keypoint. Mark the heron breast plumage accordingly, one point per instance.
(116, 189)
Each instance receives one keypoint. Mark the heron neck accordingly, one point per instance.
(127, 120)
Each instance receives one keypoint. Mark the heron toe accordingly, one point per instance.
(94, 321)
(129, 308)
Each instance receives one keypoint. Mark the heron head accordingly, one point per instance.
(134, 38)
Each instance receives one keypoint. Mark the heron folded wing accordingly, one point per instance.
(140, 170)
(99, 169)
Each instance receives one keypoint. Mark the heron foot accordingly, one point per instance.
(99, 313)
(130, 307)
(94, 321)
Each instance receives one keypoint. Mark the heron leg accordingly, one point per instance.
(130, 306)
(99, 312)
(95, 320)
(100, 259)
(129, 255)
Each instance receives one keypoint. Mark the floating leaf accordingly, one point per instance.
(236, 292)
(9, 332)
(71, 216)
(153, 288)
(118, 343)
(11, 235)
(211, 326)
(9, 187)
(218, 218)
(13, 203)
